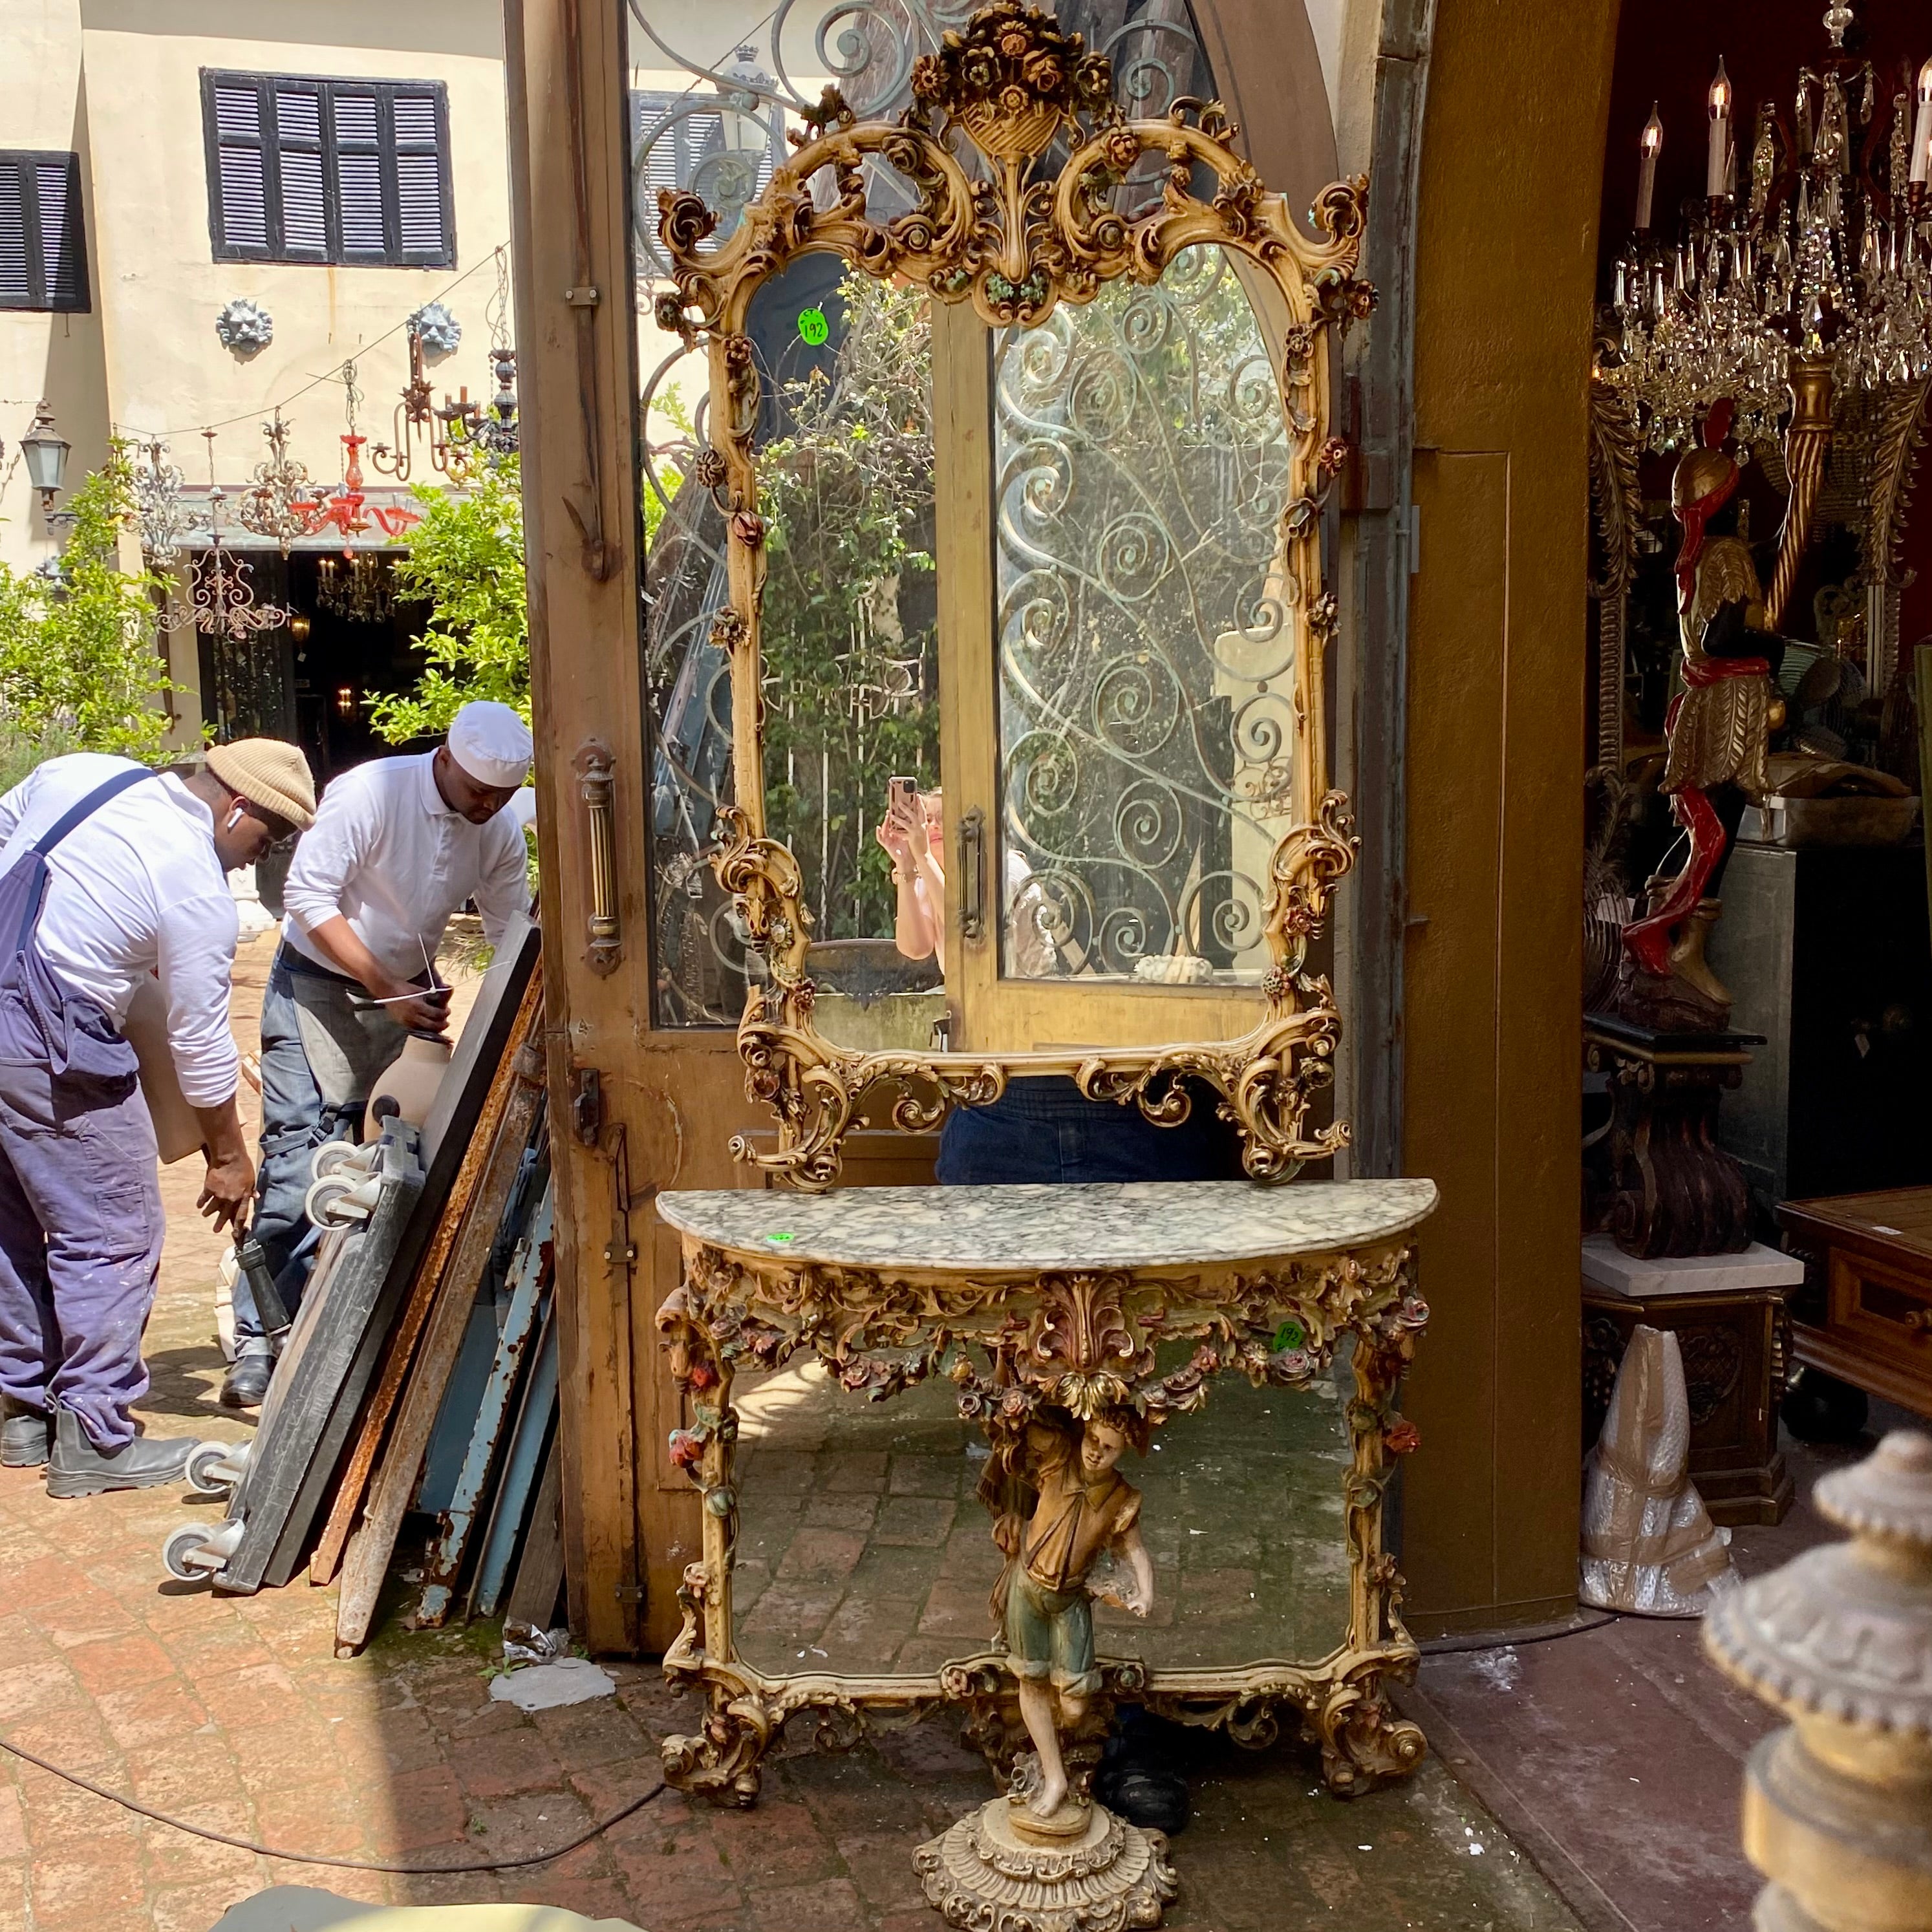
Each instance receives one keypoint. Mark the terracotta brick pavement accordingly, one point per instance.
(234, 1714)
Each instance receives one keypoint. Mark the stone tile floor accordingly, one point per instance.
(1616, 1755)
(233, 1714)
(862, 1544)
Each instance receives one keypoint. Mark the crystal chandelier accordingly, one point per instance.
(1820, 276)
(273, 506)
(221, 593)
(161, 517)
(358, 588)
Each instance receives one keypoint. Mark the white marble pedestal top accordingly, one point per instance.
(1607, 1266)
(1148, 1224)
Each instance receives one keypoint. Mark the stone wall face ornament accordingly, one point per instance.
(245, 328)
(437, 329)
(998, 233)
(1838, 1806)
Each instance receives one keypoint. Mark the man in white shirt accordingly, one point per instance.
(110, 874)
(398, 845)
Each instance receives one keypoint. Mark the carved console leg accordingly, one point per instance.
(1364, 1743)
(721, 1762)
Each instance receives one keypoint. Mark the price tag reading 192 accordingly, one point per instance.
(813, 328)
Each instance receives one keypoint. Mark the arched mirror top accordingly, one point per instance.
(1068, 375)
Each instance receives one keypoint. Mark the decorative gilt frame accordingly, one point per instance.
(1078, 1342)
(1013, 245)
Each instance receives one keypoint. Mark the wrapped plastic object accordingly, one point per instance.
(1649, 1545)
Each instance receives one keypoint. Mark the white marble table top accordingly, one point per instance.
(976, 1230)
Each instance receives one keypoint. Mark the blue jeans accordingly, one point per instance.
(1047, 1130)
(321, 1055)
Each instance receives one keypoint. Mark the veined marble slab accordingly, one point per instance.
(1111, 1225)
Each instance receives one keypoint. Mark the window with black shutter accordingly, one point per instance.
(42, 244)
(301, 170)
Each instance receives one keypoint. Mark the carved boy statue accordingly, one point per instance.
(1084, 1509)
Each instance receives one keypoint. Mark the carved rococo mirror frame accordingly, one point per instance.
(1015, 243)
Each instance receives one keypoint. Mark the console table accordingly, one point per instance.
(1046, 1305)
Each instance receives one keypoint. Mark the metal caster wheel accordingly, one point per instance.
(332, 1156)
(215, 1468)
(180, 1549)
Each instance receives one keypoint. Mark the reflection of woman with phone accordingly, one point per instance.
(912, 832)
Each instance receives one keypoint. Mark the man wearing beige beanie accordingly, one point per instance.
(111, 873)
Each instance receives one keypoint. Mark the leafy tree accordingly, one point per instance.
(78, 669)
(850, 610)
(466, 561)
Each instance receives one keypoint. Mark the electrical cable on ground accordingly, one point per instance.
(321, 1858)
(1450, 1646)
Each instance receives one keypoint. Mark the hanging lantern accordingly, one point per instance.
(45, 452)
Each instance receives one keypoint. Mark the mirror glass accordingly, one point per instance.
(849, 639)
(863, 1549)
(1146, 683)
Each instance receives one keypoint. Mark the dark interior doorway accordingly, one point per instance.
(315, 689)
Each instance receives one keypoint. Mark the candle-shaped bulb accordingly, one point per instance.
(1922, 132)
(1648, 145)
(1717, 166)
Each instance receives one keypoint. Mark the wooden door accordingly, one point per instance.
(636, 1106)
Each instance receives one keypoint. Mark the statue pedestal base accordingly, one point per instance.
(1666, 1186)
(1082, 1870)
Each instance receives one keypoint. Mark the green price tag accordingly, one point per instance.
(813, 328)
(779, 1241)
(1289, 1335)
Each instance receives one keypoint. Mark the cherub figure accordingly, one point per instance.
(1083, 1510)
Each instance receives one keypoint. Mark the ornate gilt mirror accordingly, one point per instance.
(1018, 424)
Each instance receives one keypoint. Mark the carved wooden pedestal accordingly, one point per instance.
(1667, 1187)
(1732, 1338)
(1044, 1307)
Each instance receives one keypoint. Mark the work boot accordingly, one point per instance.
(77, 1469)
(247, 1381)
(26, 1432)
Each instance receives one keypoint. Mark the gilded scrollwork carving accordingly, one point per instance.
(1016, 1347)
(1014, 235)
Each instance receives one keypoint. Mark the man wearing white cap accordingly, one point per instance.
(398, 845)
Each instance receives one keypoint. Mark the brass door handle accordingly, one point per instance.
(973, 875)
(597, 773)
